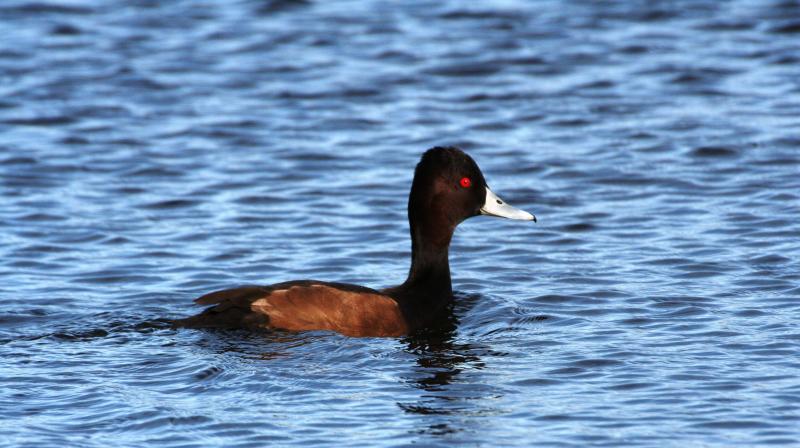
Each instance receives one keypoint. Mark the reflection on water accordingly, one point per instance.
(439, 362)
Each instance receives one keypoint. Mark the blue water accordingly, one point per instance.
(154, 151)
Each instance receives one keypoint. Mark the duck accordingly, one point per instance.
(448, 188)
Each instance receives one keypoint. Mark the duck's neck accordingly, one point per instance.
(429, 275)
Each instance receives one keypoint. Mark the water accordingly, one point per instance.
(154, 151)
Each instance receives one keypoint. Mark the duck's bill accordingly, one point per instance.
(494, 206)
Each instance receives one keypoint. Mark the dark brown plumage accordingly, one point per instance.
(448, 188)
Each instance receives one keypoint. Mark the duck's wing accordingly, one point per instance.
(231, 309)
(302, 305)
(242, 294)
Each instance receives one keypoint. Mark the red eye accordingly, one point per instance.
(465, 182)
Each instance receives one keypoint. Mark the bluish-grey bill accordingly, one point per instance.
(494, 206)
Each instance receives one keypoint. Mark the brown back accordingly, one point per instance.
(324, 307)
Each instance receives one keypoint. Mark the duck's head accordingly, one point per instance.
(448, 188)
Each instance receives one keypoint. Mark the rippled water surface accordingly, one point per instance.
(153, 151)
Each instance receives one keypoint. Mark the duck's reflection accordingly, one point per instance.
(447, 377)
(446, 371)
